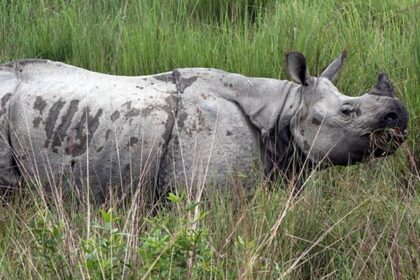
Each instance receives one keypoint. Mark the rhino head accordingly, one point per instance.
(329, 126)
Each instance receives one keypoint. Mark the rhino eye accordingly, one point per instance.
(347, 110)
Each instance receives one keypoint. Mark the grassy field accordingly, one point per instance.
(359, 222)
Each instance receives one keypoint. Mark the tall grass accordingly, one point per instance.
(359, 222)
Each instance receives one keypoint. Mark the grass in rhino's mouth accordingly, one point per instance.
(386, 141)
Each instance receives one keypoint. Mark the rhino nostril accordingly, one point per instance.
(391, 117)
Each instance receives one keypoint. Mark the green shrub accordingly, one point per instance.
(176, 249)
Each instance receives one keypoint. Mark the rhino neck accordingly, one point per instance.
(269, 104)
(280, 154)
(264, 101)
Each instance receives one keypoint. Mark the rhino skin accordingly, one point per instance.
(60, 123)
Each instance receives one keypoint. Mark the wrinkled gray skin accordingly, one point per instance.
(62, 124)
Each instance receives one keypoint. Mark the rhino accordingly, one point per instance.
(190, 126)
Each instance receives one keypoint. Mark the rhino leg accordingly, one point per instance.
(9, 172)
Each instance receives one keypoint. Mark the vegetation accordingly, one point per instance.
(359, 222)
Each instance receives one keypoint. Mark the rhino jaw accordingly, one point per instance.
(384, 142)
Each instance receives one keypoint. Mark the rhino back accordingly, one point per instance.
(114, 128)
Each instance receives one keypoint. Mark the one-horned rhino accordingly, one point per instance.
(67, 126)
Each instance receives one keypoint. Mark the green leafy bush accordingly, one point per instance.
(173, 250)
(104, 250)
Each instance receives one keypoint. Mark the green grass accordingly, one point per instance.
(359, 222)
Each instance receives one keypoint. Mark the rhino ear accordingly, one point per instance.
(296, 67)
(383, 87)
(331, 72)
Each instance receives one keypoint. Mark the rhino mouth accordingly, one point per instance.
(385, 141)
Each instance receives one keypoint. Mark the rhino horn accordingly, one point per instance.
(383, 87)
(331, 72)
